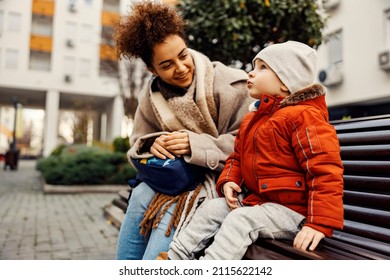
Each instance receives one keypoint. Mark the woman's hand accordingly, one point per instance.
(308, 236)
(159, 150)
(171, 145)
(230, 190)
(178, 143)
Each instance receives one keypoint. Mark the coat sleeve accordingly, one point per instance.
(145, 128)
(317, 148)
(232, 169)
(210, 151)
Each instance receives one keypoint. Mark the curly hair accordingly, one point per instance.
(148, 24)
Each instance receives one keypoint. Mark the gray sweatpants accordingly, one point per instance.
(233, 231)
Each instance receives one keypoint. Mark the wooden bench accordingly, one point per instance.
(365, 151)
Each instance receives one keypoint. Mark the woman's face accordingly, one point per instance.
(172, 62)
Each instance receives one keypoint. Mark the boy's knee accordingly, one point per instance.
(214, 204)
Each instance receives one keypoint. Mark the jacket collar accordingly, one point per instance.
(305, 94)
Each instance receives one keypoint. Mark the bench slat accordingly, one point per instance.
(376, 168)
(371, 200)
(349, 251)
(362, 242)
(368, 137)
(367, 215)
(360, 119)
(365, 152)
(367, 184)
(368, 231)
(328, 249)
(351, 126)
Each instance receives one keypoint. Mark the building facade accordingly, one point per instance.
(53, 56)
(354, 63)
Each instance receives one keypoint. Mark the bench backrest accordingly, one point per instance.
(365, 151)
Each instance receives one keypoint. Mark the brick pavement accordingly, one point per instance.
(39, 226)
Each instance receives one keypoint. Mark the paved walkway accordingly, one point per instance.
(41, 226)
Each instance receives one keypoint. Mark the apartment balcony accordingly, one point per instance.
(108, 52)
(41, 43)
(43, 7)
(110, 18)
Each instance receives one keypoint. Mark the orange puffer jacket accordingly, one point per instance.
(286, 152)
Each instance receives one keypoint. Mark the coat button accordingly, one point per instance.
(264, 186)
(266, 100)
(298, 183)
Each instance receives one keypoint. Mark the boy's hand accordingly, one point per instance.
(308, 236)
(230, 190)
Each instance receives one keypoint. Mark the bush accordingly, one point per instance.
(82, 165)
(121, 145)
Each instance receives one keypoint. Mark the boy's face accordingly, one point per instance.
(264, 80)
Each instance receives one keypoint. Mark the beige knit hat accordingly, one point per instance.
(295, 63)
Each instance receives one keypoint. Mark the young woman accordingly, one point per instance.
(191, 108)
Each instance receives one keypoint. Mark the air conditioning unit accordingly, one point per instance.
(330, 4)
(72, 7)
(384, 60)
(68, 78)
(70, 43)
(331, 77)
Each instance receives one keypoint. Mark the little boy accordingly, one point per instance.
(286, 165)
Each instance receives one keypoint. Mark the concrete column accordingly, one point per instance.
(51, 121)
(114, 119)
(103, 127)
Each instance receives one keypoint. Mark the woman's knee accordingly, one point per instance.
(141, 196)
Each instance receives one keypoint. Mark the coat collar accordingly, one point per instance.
(305, 94)
(300, 96)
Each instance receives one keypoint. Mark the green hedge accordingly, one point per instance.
(83, 165)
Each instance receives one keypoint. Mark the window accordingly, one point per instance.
(85, 68)
(11, 59)
(42, 25)
(387, 28)
(111, 5)
(40, 61)
(86, 33)
(1, 20)
(69, 65)
(108, 68)
(336, 48)
(14, 22)
(106, 36)
(70, 30)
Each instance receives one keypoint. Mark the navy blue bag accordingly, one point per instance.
(167, 176)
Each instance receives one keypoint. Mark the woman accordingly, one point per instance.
(191, 108)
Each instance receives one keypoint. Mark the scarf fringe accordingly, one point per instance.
(160, 205)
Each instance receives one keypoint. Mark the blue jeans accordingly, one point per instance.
(131, 244)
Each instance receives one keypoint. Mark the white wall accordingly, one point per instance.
(365, 34)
